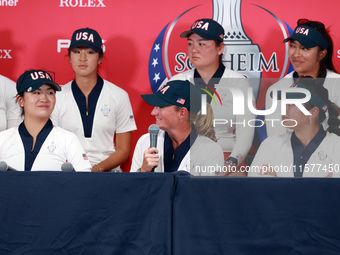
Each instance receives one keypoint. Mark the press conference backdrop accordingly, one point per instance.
(142, 43)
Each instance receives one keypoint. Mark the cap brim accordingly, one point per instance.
(304, 41)
(289, 95)
(186, 34)
(201, 34)
(54, 85)
(288, 39)
(314, 100)
(84, 44)
(155, 100)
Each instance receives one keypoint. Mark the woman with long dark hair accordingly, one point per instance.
(308, 151)
(310, 52)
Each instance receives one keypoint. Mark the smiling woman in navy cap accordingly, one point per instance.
(310, 52)
(100, 112)
(205, 49)
(308, 151)
(36, 144)
(181, 145)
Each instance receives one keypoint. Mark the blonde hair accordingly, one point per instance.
(204, 124)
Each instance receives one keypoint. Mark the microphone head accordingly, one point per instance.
(153, 129)
(3, 166)
(67, 167)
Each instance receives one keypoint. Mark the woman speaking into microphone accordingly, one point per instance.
(186, 140)
(36, 144)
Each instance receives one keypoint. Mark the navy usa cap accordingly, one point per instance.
(206, 28)
(31, 80)
(310, 84)
(177, 92)
(308, 37)
(86, 37)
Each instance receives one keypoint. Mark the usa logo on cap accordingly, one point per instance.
(198, 24)
(40, 74)
(85, 36)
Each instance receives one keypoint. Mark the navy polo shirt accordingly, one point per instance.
(27, 140)
(199, 82)
(173, 159)
(87, 113)
(302, 154)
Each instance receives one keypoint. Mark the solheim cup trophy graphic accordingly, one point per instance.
(240, 53)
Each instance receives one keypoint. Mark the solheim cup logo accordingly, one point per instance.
(240, 53)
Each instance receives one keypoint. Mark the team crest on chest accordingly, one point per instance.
(105, 110)
(51, 148)
(322, 155)
(189, 167)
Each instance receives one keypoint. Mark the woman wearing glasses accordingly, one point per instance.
(310, 52)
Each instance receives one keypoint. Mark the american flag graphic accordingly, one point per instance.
(156, 67)
(180, 100)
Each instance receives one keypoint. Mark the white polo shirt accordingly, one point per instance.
(112, 114)
(59, 146)
(277, 151)
(10, 113)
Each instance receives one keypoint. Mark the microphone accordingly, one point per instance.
(5, 167)
(67, 167)
(153, 131)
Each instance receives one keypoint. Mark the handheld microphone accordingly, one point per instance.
(153, 131)
(67, 167)
(5, 167)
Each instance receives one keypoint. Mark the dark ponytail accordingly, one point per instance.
(333, 110)
(333, 120)
(327, 61)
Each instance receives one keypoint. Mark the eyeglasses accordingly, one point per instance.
(313, 24)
